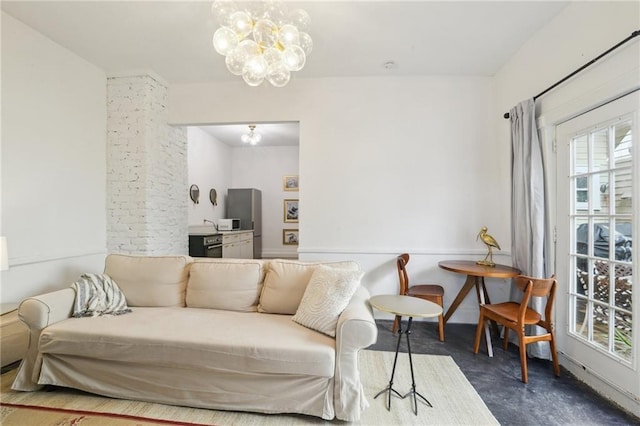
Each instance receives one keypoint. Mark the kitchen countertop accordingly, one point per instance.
(204, 231)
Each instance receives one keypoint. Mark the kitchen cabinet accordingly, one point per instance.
(237, 244)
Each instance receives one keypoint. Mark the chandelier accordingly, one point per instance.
(252, 137)
(262, 40)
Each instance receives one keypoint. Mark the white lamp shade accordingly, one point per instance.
(4, 256)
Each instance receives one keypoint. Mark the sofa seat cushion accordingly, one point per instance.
(191, 337)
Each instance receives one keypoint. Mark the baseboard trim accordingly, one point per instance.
(601, 385)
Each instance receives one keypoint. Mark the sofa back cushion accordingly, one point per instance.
(229, 284)
(286, 281)
(150, 280)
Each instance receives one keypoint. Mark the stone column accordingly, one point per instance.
(146, 170)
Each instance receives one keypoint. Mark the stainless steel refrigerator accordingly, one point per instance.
(246, 205)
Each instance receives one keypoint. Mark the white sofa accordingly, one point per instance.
(210, 333)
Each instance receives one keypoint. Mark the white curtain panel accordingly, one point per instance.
(529, 224)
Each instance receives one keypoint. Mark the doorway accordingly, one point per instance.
(219, 159)
(597, 220)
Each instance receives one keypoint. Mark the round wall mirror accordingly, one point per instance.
(213, 197)
(194, 193)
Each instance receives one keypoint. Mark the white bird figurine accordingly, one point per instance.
(490, 242)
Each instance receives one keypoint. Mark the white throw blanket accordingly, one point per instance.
(98, 295)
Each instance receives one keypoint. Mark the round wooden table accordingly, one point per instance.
(475, 278)
(404, 306)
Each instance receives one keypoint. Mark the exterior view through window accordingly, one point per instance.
(601, 224)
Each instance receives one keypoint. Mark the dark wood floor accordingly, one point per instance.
(545, 400)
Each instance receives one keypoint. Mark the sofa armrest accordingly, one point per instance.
(356, 329)
(41, 311)
(38, 313)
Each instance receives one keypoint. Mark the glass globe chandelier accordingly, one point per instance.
(262, 40)
(252, 137)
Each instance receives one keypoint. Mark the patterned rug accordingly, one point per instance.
(33, 415)
(438, 378)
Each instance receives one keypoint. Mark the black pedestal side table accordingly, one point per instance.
(405, 306)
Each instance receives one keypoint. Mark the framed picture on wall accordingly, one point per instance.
(291, 211)
(290, 237)
(290, 183)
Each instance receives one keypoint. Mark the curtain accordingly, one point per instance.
(529, 216)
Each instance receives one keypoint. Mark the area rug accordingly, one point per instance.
(438, 378)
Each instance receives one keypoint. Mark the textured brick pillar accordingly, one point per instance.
(146, 170)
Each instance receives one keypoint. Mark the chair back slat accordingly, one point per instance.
(541, 287)
(403, 277)
(536, 287)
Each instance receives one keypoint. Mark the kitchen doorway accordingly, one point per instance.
(219, 159)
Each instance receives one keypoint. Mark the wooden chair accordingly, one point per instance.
(431, 292)
(516, 316)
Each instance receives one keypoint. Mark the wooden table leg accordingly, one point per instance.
(460, 297)
(481, 292)
(494, 325)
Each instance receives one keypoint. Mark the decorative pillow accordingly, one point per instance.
(229, 284)
(328, 293)
(286, 282)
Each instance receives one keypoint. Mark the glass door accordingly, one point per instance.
(597, 219)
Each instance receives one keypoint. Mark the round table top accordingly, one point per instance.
(470, 267)
(405, 306)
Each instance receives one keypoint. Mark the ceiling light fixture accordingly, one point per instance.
(262, 40)
(252, 137)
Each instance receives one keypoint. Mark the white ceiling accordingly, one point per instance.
(273, 134)
(351, 38)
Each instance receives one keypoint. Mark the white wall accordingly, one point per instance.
(578, 34)
(209, 167)
(386, 165)
(53, 163)
(263, 168)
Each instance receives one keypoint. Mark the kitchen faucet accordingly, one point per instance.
(211, 222)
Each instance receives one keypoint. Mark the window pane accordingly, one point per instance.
(601, 325)
(600, 150)
(623, 335)
(623, 191)
(601, 238)
(624, 232)
(623, 142)
(581, 156)
(581, 184)
(601, 279)
(580, 314)
(623, 288)
(582, 235)
(582, 275)
(600, 193)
